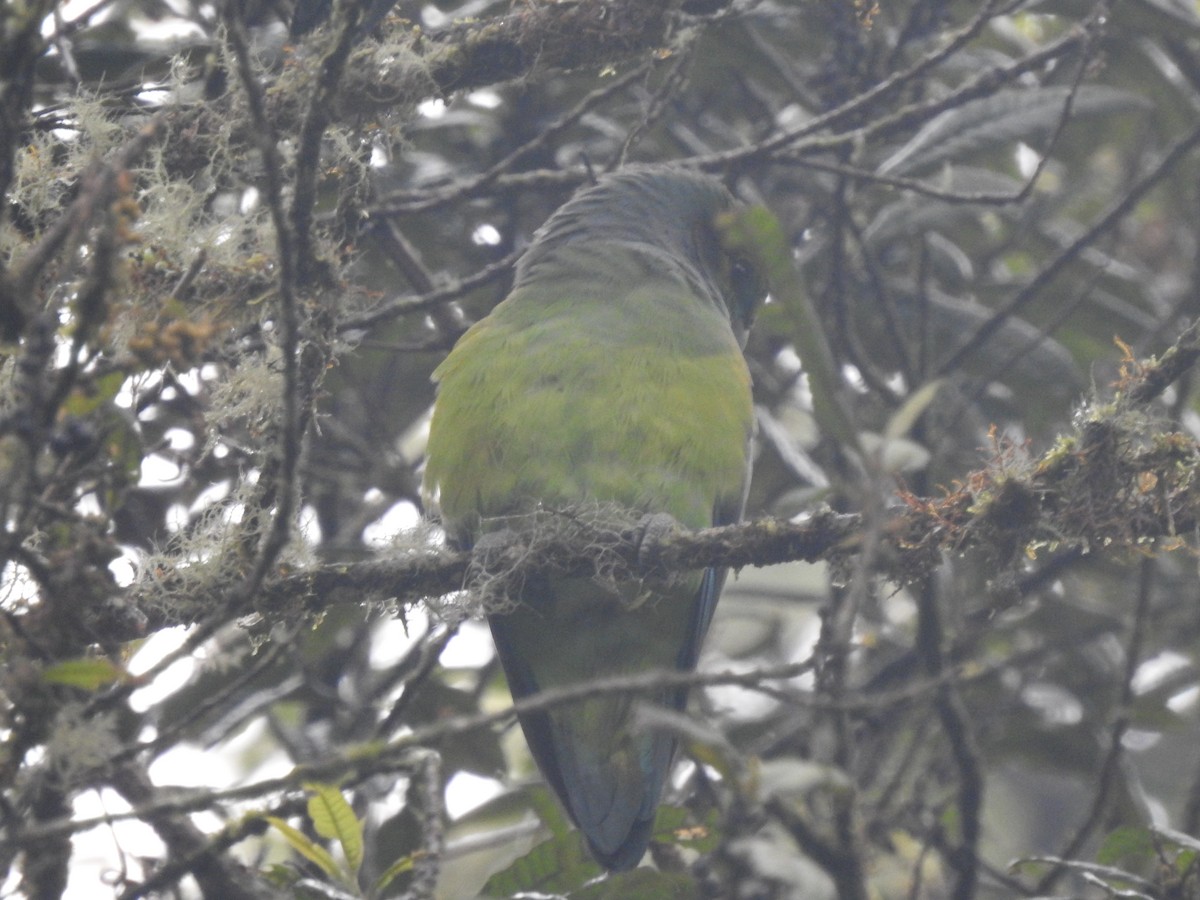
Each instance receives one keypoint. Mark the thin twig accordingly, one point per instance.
(1110, 766)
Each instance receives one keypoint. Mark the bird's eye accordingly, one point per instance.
(749, 288)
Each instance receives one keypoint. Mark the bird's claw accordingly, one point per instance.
(654, 529)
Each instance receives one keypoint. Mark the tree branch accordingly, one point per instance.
(1105, 484)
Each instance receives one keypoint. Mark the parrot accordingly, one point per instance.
(612, 373)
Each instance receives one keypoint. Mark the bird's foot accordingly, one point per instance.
(654, 529)
(491, 546)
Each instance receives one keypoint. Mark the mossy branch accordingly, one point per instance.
(1115, 484)
(570, 35)
(409, 67)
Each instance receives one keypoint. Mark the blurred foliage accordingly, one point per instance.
(229, 261)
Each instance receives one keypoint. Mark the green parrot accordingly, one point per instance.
(612, 373)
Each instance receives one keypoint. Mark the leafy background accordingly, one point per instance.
(231, 260)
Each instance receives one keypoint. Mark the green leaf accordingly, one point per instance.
(1126, 843)
(1185, 862)
(562, 864)
(307, 848)
(676, 825)
(88, 673)
(951, 820)
(548, 811)
(556, 866)
(334, 820)
(642, 884)
(280, 875)
(399, 867)
(914, 406)
(122, 441)
(1179, 838)
(100, 391)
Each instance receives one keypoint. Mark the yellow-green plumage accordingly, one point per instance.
(576, 411)
(613, 373)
